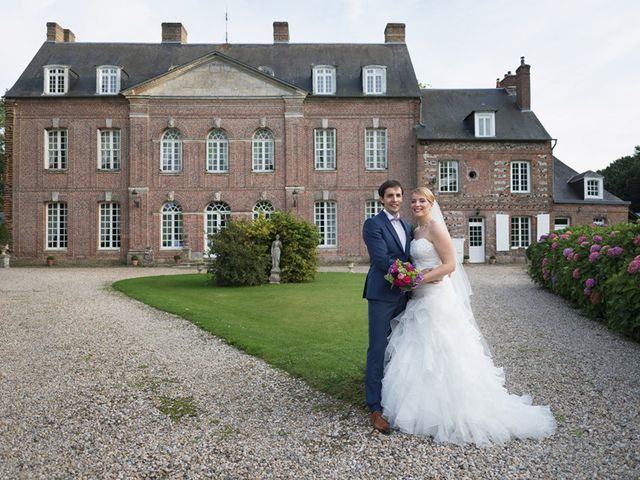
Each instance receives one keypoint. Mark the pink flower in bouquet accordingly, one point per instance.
(403, 275)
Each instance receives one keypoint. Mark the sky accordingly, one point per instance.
(584, 54)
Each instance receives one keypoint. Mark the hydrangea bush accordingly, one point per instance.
(595, 267)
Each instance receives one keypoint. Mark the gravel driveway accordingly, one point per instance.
(89, 380)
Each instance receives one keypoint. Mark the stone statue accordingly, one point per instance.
(276, 250)
(5, 250)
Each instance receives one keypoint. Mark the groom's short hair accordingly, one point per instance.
(389, 184)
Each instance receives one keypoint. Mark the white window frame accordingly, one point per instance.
(372, 208)
(485, 124)
(217, 152)
(262, 149)
(57, 223)
(216, 216)
(324, 145)
(557, 226)
(600, 220)
(374, 80)
(108, 80)
(109, 148)
(448, 173)
(56, 149)
(56, 76)
(171, 151)
(263, 207)
(109, 226)
(375, 149)
(172, 226)
(520, 232)
(325, 217)
(588, 192)
(520, 176)
(324, 80)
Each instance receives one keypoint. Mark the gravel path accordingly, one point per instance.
(86, 374)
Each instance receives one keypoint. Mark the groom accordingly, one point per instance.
(387, 237)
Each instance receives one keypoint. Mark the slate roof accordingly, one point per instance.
(290, 62)
(564, 192)
(445, 116)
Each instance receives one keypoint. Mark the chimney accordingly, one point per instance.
(280, 32)
(55, 33)
(508, 83)
(173, 33)
(69, 37)
(394, 33)
(523, 86)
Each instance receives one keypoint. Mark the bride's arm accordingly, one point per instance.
(439, 236)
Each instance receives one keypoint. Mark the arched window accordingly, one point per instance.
(263, 151)
(217, 152)
(171, 151)
(263, 207)
(171, 225)
(217, 214)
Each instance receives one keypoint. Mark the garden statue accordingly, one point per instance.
(276, 250)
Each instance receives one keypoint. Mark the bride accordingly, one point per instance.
(439, 379)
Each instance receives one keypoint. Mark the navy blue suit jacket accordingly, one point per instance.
(384, 248)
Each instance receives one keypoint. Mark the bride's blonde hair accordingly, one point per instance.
(426, 193)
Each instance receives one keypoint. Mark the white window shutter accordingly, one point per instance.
(543, 225)
(502, 232)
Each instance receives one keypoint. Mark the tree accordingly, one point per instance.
(622, 178)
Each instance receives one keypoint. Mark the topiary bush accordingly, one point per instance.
(597, 268)
(241, 239)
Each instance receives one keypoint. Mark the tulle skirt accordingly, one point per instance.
(440, 380)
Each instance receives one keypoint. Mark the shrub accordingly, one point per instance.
(5, 237)
(597, 268)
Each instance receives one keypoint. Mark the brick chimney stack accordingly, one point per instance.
(508, 83)
(523, 86)
(394, 33)
(173, 33)
(280, 32)
(55, 33)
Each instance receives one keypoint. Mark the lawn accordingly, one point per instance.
(316, 331)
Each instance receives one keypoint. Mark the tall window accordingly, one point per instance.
(217, 152)
(372, 208)
(325, 148)
(108, 80)
(263, 208)
(55, 79)
(520, 177)
(485, 124)
(109, 226)
(263, 151)
(171, 151)
(593, 188)
(448, 176)
(324, 80)
(57, 221)
(56, 149)
(217, 214)
(520, 232)
(109, 149)
(326, 219)
(375, 148)
(171, 225)
(374, 80)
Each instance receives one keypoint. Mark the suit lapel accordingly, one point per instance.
(387, 224)
(407, 231)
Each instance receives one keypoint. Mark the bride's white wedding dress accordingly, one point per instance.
(440, 381)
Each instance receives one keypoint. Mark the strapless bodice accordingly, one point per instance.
(424, 254)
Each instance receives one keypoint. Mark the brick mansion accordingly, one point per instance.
(121, 149)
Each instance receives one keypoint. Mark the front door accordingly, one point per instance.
(476, 240)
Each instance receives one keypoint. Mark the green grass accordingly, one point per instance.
(316, 331)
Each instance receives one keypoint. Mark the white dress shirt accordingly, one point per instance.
(397, 225)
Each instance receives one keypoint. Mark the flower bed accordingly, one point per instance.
(595, 267)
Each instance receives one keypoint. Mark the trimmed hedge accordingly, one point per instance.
(597, 268)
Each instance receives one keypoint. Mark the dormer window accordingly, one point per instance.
(56, 79)
(485, 124)
(374, 80)
(324, 80)
(108, 80)
(593, 188)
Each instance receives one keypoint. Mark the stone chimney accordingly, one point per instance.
(55, 33)
(508, 83)
(523, 86)
(280, 32)
(173, 33)
(394, 33)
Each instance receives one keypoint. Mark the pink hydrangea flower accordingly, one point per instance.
(581, 239)
(595, 248)
(594, 257)
(634, 265)
(590, 283)
(545, 261)
(584, 244)
(576, 273)
(587, 291)
(615, 251)
(568, 252)
(636, 241)
(597, 238)
(554, 245)
(564, 236)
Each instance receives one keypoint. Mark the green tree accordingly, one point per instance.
(4, 232)
(622, 178)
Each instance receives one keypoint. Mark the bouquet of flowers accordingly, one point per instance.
(404, 275)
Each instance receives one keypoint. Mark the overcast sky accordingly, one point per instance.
(584, 54)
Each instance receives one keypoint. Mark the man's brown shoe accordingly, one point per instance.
(379, 423)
